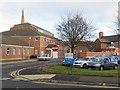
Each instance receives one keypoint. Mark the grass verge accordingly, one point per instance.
(82, 72)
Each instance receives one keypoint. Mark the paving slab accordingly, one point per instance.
(39, 76)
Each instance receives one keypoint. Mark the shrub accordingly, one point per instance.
(33, 56)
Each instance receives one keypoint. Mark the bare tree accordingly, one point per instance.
(118, 30)
(118, 19)
(73, 29)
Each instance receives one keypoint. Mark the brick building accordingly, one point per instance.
(26, 36)
(13, 48)
(108, 44)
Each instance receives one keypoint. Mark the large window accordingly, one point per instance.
(14, 51)
(23, 51)
(8, 51)
(19, 51)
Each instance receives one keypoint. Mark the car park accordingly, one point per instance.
(43, 57)
(101, 63)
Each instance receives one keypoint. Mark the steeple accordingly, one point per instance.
(22, 18)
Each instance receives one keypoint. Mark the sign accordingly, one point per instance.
(69, 55)
(55, 48)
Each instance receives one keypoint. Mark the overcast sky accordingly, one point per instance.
(47, 14)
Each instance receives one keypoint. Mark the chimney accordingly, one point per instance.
(100, 34)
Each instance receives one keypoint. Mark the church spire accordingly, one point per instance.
(22, 18)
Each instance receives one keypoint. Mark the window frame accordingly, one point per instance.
(14, 51)
(8, 51)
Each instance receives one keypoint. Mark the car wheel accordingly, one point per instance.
(101, 68)
(115, 67)
(85, 65)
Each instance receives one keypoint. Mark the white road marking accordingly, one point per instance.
(5, 78)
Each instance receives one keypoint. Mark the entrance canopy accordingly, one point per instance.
(50, 46)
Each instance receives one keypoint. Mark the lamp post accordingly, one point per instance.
(29, 48)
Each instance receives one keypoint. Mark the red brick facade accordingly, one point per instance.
(34, 38)
(108, 44)
(23, 26)
(91, 54)
(38, 41)
(16, 52)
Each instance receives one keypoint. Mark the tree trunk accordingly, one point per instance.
(72, 50)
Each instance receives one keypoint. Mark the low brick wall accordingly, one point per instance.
(90, 54)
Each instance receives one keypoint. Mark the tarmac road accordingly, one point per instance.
(9, 82)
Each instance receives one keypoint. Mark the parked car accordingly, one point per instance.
(114, 59)
(118, 59)
(102, 63)
(82, 63)
(78, 58)
(43, 57)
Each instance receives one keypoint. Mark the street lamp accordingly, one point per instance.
(29, 48)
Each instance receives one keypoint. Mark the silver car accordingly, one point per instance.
(102, 63)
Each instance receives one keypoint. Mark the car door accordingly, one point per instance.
(107, 63)
(112, 64)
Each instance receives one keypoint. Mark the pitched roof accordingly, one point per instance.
(12, 41)
(25, 27)
(28, 32)
(107, 39)
(21, 33)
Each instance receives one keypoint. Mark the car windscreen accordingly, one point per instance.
(98, 59)
(91, 59)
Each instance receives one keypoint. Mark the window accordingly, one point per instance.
(19, 51)
(8, 51)
(14, 51)
(112, 45)
(24, 51)
(36, 51)
(36, 39)
(28, 51)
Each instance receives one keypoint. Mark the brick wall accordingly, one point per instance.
(18, 54)
(32, 41)
(22, 26)
(97, 45)
(90, 54)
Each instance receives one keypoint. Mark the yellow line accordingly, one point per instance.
(76, 85)
(16, 74)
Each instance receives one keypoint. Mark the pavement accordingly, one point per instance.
(34, 74)
(31, 60)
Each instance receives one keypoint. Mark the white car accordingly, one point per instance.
(81, 63)
(44, 57)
